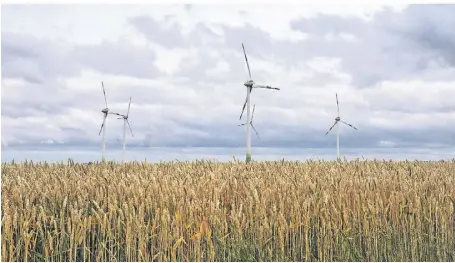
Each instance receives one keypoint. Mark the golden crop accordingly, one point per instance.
(209, 211)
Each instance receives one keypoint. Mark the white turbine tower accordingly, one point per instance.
(105, 111)
(251, 122)
(125, 121)
(250, 84)
(337, 120)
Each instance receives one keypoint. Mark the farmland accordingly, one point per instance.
(230, 211)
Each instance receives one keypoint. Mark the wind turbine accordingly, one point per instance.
(125, 121)
(337, 120)
(105, 111)
(250, 84)
(251, 122)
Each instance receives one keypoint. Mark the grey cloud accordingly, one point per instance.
(119, 59)
(50, 99)
(415, 104)
(430, 26)
(169, 36)
(36, 100)
(257, 42)
(188, 7)
(19, 109)
(330, 24)
(392, 46)
(40, 61)
(203, 36)
(285, 136)
(35, 60)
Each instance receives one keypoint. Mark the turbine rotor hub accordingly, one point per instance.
(105, 110)
(249, 83)
(338, 119)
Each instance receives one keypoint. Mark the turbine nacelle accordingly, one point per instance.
(122, 117)
(249, 83)
(105, 110)
(337, 119)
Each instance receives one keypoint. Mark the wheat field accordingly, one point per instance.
(232, 211)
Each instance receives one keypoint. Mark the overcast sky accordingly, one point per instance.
(393, 69)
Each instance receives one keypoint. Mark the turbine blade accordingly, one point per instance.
(338, 105)
(349, 125)
(102, 124)
(104, 92)
(128, 112)
(255, 131)
(265, 87)
(331, 128)
(243, 109)
(246, 59)
(252, 115)
(129, 127)
(246, 101)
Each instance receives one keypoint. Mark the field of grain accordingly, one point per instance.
(209, 211)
